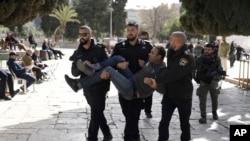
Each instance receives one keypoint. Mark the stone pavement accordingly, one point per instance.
(53, 112)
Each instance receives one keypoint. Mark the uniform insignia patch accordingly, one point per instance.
(183, 62)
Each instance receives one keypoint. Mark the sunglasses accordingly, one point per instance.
(83, 34)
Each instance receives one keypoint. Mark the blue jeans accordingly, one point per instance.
(122, 79)
(28, 77)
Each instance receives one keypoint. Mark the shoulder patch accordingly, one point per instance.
(183, 62)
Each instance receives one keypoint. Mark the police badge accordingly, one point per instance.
(183, 62)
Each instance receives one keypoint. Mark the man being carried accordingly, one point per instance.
(123, 80)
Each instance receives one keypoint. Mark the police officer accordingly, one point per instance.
(135, 51)
(178, 86)
(208, 73)
(95, 94)
(146, 102)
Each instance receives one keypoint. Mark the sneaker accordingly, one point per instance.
(15, 92)
(202, 120)
(84, 68)
(72, 83)
(148, 115)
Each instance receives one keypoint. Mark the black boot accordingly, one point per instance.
(73, 83)
(203, 120)
(215, 116)
(108, 137)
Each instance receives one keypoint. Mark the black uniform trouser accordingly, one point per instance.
(147, 104)
(202, 92)
(96, 100)
(131, 110)
(5, 76)
(184, 107)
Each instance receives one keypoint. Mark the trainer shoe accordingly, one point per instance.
(84, 68)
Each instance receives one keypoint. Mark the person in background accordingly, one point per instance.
(37, 61)
(32, 41)
(223, 52)
(45, 46)
(208, 73)
(55, 51)
(232, 54)
(96, 93)
(27, 62)
(198, 49)
(6, 77)
(147, 102)
(19, 70)
(21, 46)
(135, 51)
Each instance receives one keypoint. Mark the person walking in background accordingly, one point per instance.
(232, 54)
(223, 52)
(32, 41)
(147, 102)
(198, 49)
(135, 51)
(177, 78)
(6, 77)
(208, 73)
(96, 93)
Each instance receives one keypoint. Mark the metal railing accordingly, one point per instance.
(244, 75)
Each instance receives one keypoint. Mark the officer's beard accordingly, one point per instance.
(131, 38)
(84, 42)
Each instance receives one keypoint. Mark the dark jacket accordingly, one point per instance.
(178, 74)
(208, 69)
(94, 54)
(133, 53)
(15, 67)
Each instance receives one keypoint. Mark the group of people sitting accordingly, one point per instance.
(49, 47)
(29, 68)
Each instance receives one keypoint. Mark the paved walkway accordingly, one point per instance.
(55, 113)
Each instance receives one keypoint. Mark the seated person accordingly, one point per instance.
(6, 77)
(45, 46)
(55, 51)
(19, 70)
(124, 80)
(27, 63)
(21, 45)
(37, 61)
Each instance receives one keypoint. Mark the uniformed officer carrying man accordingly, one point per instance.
(177, 78)
(208, 73)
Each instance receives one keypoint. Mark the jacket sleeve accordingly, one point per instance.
(176, 71)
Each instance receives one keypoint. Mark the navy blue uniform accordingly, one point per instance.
(179, 88)
(131, 108)
(96, 93)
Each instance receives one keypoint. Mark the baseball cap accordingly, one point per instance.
(13, 53)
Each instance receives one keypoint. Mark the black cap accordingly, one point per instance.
(132, 23)
(13, 53)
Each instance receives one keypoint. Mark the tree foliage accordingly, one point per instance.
(16, 12)
(64, 14)
(216, 17)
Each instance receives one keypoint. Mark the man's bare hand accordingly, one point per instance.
(141, 62)
(151, 82)
(122, 65)
(105, 75)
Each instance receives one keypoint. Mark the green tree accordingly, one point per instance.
(216, 17)
(14, 12)
(64, 15)
(49, 24)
